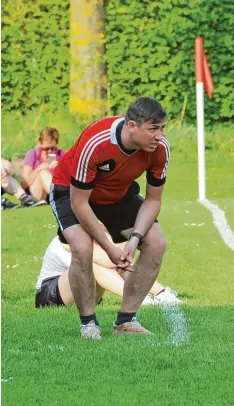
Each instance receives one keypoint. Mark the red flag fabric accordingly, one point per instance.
(203, 73)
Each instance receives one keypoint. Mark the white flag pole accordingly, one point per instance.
(200, 119)
(201, 142)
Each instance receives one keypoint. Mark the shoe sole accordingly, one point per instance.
(94, 335)
(34, 205)
(125, 332)
(91, 338)
(39, 204)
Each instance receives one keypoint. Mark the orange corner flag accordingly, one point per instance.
(203, 73)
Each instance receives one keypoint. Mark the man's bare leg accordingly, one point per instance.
(80, 274)
(147, 266)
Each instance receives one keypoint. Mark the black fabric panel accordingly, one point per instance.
(82, 185)
(154, 181)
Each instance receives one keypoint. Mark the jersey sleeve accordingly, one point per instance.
(84, 166)
(156, 174)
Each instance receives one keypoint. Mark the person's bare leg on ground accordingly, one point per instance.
(105, 279)
(99, 292)
(81, 277)
(41, 185)
(106, 276)
(10, 184)
(147, 266)
(156, 288)
(7, 165)
(109, 279)
(14, 188)
(65, 289)
(66, 293)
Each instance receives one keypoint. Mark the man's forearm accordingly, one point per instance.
(146, 216)
(90, 223)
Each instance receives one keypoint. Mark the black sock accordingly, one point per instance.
(124, 317)
(86, 319)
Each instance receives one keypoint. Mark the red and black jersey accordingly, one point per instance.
(99, 161)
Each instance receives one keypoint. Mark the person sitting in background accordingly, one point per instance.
(39, 163)
(10, 185)
(53, 287)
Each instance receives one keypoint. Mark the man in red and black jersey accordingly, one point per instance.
(95, 180)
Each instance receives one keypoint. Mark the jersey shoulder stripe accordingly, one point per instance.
(166, 145)
(89, 147)
(83, 175)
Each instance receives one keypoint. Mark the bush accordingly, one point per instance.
(150, 51)
(21, 132)
(35, 54)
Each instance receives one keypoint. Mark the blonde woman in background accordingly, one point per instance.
(39, 163)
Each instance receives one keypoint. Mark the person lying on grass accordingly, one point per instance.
(53, 287)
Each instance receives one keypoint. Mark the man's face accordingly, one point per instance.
(147, 135)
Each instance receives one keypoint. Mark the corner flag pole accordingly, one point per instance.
(203, 79)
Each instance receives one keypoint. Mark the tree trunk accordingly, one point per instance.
(88, 76)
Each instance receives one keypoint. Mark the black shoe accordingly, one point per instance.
(29, 201)
(7, 204)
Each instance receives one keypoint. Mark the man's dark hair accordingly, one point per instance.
(145, 109)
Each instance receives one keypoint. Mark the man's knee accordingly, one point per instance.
(81, 245)
(82, 253)
(155, 241)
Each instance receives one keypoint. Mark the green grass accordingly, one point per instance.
(188, 360)
(50, 365)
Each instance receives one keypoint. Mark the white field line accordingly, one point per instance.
(175, 318)
(220, 222)
(7, 379)
(178, 328)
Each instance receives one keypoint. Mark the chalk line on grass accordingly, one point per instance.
(220, 222)
(179, 334)
(178, 328)
(7, 379)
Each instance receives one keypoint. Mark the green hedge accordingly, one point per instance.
(150, 50)
(35, 54)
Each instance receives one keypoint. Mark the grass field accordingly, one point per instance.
(188, 360)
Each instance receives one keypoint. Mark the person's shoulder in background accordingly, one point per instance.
(31, 156)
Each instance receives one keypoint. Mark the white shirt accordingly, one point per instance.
(56, 261)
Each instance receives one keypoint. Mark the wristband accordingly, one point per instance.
(139, 236)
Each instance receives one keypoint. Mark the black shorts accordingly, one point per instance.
(116, 217)
(48, 294)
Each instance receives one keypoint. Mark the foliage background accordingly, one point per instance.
(149, 50)
(35, 54)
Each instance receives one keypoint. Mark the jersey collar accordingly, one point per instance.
(113, 129)
(116, 136)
